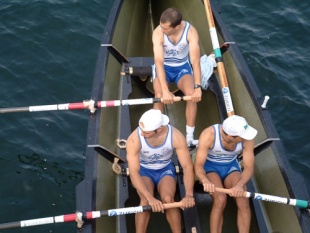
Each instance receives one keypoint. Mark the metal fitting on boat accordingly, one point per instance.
(79, 220)
(264, 105)
(91, 107)
(116, 167)
(121, 143)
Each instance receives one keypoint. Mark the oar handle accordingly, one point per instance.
(173, 205)
(180, 98)
(228, 191)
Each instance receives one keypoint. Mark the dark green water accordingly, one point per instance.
(48, 52)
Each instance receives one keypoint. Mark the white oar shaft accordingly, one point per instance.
(114, 103)
(265, 197)
(78, 216)
(91, 105)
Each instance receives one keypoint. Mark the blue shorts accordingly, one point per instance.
(157, 175)
(222, 169)
(175, 73)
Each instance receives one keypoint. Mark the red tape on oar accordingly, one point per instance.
(79, 216)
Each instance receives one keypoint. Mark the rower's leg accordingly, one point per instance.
(166, 189)
(219, 203)
(142, 219)
(244, 210)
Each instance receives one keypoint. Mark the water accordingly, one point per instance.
(48, 52)
(273, 38)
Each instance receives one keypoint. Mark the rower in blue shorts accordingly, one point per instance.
(177, 59)
(149, 150)
(216, 165)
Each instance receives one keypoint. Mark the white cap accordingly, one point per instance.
(238, 126)
(152, 120)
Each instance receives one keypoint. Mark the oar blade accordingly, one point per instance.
(107, 153)
(9, 225)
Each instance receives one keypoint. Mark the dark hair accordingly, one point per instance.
(171, 15)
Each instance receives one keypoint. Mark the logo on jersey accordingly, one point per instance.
(172, 52)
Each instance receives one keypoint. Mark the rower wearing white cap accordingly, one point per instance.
(149, 150)
(216, 165)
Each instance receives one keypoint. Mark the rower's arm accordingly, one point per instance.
(194, 54)
(133, 148)
(248, 162)
(158, 49)
(206, 141)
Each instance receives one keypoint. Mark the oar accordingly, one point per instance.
(264, 197)
(219, 59)
(79, 216)
(89, 104)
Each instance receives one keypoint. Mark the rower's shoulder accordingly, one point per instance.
(158, 35)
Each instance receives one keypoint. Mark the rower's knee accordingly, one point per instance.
(219, 200)
(167, 199)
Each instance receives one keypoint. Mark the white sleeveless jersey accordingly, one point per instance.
(177, 54)
(218, 153)
(156, 157)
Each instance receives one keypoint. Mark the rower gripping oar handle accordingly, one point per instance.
(185, 98)
(173, 205)
(175, 99)
(227, 191)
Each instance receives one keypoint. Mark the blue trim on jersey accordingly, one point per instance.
(186, 23)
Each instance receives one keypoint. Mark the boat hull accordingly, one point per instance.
(129, 30)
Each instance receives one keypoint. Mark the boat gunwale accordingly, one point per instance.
(86, 190)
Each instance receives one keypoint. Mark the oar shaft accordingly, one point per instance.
(42, 108)
(114, 103)
(129, 210)
(87, 215)
(281, 200)
(91, 105)
(264, 197)
(39, 221)
(219, 59)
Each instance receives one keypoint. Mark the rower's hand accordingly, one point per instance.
(237, 191)
(208, 187)
(188, 201)
(168, 97)
(196, 96)
(157, 206)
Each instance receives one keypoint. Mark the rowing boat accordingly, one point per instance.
(123, 72)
